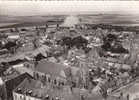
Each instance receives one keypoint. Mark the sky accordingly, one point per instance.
(29, 8)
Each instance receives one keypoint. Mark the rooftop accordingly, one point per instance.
(130, 88)
(29, 87)
(14, 81)
(10, 76)
(51, 68)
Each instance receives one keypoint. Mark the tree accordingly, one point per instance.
(67, 41)
(35, 43)
(79, 42)
(111, 43)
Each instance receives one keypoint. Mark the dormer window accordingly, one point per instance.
(30, 92)
(19, 90)
(57, 98)
(47, 97)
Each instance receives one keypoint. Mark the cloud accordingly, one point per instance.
(66, 7)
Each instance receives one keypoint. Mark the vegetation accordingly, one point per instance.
(111, 43)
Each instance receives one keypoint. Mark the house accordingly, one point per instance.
(27, 90)
(14, 37)
(52, 59)
(12, 81)
(24, 68)
(43, 50)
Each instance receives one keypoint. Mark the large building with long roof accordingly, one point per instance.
(50, 70)
(128, 92)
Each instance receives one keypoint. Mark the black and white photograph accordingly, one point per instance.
(69, 50)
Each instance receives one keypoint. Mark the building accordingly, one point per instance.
(12, 81)
(129, 92)
(31, 89)
(51, 71)
(3, 95)
(13, 35)
(27, 90)
(25, 67)
(35, 90)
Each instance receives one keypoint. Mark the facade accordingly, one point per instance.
(3, 95)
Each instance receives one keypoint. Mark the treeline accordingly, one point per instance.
(112, 43)
(116, 28)
(78, 42)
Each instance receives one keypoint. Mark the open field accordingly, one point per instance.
(21, 21)
(110, 19)
(113, 19)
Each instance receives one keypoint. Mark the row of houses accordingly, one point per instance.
(49, 80)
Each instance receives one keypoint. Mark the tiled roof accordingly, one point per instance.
(10, 76)
(29, 85)
(14, 82)
(51, 68)
(130, 88)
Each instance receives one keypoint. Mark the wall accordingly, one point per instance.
(134, 96)
(31, 98)
(17, 96)
(59, 79)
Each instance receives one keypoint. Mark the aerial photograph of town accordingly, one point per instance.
(69, 52)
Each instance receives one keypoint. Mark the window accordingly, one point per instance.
(49, 80)
(37, 76)
(20, 97)
(15, 96)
